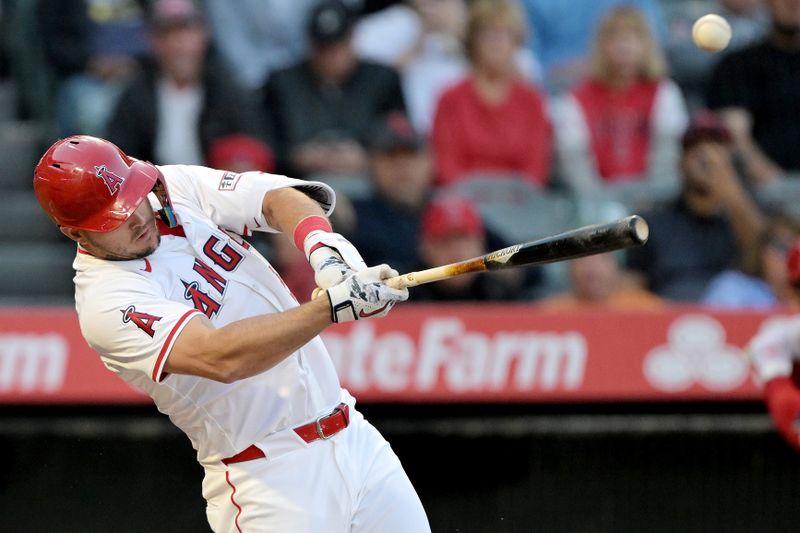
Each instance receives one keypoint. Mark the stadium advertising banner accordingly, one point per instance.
(486, 353)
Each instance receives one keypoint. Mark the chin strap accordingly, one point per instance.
(167, 216)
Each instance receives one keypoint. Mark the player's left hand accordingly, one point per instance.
(332, 257)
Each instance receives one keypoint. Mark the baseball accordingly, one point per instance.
(711, 33)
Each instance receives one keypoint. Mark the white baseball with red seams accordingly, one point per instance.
(131, 312)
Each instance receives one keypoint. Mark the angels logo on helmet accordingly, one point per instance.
(112, 181)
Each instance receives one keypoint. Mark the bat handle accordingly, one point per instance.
(397, 282)
(402, 281)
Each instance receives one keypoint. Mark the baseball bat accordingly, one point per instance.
(588, 240)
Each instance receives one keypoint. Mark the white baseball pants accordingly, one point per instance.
(352, 482)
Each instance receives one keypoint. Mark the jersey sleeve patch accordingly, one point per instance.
(229, 181)
(144, 321)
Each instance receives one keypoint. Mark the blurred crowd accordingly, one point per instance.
(453, 127)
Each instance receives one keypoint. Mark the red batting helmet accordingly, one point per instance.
(87, 183)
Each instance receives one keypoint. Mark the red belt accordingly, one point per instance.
(323, 428)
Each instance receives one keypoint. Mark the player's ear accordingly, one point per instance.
(72, 233)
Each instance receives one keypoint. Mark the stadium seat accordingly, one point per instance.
(20, 149)
(24, 220)
(37, 270)
(515, 209)
(8, 101)
(518, 212)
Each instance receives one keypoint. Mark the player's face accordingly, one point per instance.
(136, 238)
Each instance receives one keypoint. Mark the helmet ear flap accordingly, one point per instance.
(166, 213)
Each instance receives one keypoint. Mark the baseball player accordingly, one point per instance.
(775, 356)
(178, 304)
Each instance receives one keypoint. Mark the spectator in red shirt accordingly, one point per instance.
(624, 121)
(493, 121)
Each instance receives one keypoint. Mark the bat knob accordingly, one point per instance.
(640, 230)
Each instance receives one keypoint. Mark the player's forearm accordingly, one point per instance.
(248, 347)
(284, 208)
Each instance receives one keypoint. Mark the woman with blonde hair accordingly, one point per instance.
(623, 122)
(494, 121)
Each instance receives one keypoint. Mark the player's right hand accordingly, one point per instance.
(365, 295)
(332, 257)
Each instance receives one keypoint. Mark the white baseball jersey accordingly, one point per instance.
(131, 312)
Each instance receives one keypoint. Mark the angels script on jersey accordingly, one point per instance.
(447, 354)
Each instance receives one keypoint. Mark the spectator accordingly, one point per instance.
(703, 231)
(94, 48)
(388, 222)
(177, 107)
(423, 39)
(623, 122)
(493, 121)
(430, 56)
(452, 230)
(561, 32)
(597, 283)
(321, 109)
(258, 37)
(762, 282)
(755, 90)
(749, 23)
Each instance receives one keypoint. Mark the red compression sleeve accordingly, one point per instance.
(306, 226)
(783, 402)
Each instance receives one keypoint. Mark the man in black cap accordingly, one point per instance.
(705, 229)
(388, 221)
(321, 110)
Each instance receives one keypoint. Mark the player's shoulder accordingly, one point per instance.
(107, 282)
(184, 180)
(183, 172)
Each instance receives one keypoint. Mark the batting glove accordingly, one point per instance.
(364, 294)
(332, 257)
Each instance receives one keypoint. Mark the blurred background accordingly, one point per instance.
(609, 393)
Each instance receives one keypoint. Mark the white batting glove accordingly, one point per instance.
(365, 295)
(332, 257)
(771, 354)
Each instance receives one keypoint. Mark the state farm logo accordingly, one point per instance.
(695, 353)
(32, 363)
(448, 356)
